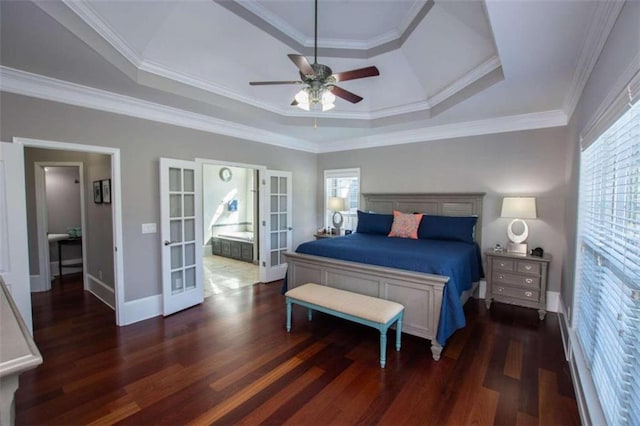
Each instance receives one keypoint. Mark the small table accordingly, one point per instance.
(73, 241)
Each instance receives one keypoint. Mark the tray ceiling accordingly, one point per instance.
(441, 64)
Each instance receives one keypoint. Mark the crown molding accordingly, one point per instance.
(104, 30)
(602, 21)
(466, 80)
(275, 21)
(513, 123)
(38, 86)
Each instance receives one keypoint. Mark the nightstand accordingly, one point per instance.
(517, 280)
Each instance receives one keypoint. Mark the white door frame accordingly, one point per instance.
(42, 227)
(262, 173)
(116, 205)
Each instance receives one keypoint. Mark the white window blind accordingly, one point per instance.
(343, 183)
(608, 267)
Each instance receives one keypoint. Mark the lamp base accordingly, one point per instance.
(517, 248)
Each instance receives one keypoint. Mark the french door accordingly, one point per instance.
(279, 232)
(181, 235)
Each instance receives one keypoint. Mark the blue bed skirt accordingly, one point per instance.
(461, 262)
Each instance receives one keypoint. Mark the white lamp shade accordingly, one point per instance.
(519, 207)
(337, 204)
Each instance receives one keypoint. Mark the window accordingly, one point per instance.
(607, 300)
(343, 183)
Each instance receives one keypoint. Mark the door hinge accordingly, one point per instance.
(264, 223)
(264, 264)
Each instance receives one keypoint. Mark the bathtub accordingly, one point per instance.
(234, 244)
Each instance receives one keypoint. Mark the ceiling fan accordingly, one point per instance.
(319, 80)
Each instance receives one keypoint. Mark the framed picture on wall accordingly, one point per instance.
(97, 191)
(106, 191)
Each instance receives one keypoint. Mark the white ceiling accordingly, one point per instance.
(449, 68)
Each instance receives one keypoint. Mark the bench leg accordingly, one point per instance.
(310, 314)
(288, 315)
(398, 333)
(383, 347)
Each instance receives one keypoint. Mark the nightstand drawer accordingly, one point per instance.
(520, 293)
(503, 265)
(501, 277)
(528, 267)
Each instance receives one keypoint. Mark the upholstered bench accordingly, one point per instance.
(367, 310)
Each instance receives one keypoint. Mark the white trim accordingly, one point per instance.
(602, 21)
(38, 86)
(514, 123)
(466, 80)
(116, 204)
(53, 266)
(27, 84)
(588, 402)
(141, 309)
(553, 301)
(104, 30)
(36, 284)
(281, 25)
(96, 286)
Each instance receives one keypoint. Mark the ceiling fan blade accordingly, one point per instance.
(266, 83)
(302, 63)
(359, 73)
(346, 95)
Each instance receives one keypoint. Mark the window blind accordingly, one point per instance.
(608, 266)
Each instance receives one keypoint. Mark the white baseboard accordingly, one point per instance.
(553, 301)
(141, 309)
(55, 271)
(37, 284)
(482, 289)
(102, 291)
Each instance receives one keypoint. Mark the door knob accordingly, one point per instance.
(167, 243)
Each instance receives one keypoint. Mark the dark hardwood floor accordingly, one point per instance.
(230, 361)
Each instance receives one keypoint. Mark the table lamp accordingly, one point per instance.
(336, 205)
(518, 208)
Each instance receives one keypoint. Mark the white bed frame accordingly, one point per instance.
(420, 293)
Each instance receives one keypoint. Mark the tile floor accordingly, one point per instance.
(222, 274)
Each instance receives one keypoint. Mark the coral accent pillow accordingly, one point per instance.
(405, 225)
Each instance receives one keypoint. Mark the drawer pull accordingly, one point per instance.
(502, 264)
(528, 281)
(528, 267)
(528, 293)
(500, 289)
(501, 277)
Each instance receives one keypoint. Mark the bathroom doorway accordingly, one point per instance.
(231, 205)
(63, 211)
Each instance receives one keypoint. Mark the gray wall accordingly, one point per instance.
(620, 53)
(141, 144)
(520, 163)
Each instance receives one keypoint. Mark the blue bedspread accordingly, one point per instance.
(459, 261)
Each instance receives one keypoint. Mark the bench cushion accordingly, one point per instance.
(358, 305)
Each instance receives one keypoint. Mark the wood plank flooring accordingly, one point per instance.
(230, 361)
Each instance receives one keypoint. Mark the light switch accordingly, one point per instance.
(149, 228)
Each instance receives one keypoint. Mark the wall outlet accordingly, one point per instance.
(149, 228)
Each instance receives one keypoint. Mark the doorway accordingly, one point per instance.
(100, 228)
(61, 219)
(231, 203)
